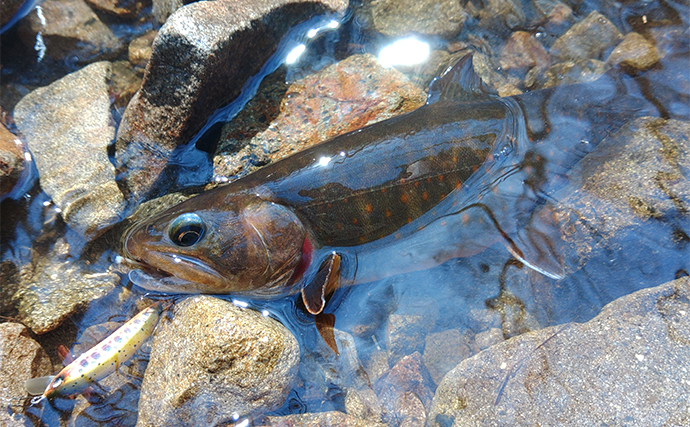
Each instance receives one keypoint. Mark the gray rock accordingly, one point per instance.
(73, 160)
(443, 351)
(338, 99)
(330, 419)
(635, 51)
(56, 285)
(201, 58)
(588, 39)
(615, 369)
(406, 334)
(486, 339)
(21, 358)
(70, 29)
(213, 360)
(11, 161)
(363, 404)
(162, 9)
(444, 18)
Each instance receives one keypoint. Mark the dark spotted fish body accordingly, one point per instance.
(444, 181)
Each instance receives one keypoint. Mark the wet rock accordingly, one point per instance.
(139, 50)
(8, 9)
(377, 365)
(486, 339)
(634, 51)
(57, 285)
(567, 73)
(340, 98)
(588, 39)
(406, 333)
(523, 52)
(502, 15)
(11, 161)
(70, 29)
(200, 60)
(121, 8)
(124, 81)
(21, 358)
(405, 392)
(432, 17)
(162, 9)
(612, 370)
(73, 160)
(363, 404)
(443, 351)
(213, 360)
(331, 419)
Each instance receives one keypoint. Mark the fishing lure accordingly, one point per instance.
(101, 360)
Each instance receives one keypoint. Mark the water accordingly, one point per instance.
(606, 255)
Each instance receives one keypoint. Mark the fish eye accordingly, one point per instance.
(186, 229)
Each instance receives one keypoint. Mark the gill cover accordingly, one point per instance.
(218, 243)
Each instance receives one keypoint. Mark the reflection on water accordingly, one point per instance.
(610, 216)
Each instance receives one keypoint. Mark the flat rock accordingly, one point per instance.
(340, 98)
(70, 29)
(56, 285)
(213, 360)
(331, 419)
(73, 160)
(21, 358)
(443, 351)
(11, 161)
(444, 18)
(613, 370)
(588, 39)
(200, 60)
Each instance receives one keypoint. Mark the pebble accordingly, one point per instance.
(444, 18)
(634, 51)
(587, 39)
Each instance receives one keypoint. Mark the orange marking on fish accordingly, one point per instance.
(354, 220)
(425, 196)
(465, 219)
(458, 185)
(388, 213)
(440, 178)
(416, 184)
(403, 198)
(369, 208)
(474, 168)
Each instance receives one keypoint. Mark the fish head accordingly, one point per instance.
(219, 244)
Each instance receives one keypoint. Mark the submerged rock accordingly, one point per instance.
(444, 18)
(70, 30)
(21, 358)
(68, 127)
(330, 419)
(206, 51)
(11, 161)
(613, 370)
(214, 360)
(443, 351)
(588, 39)
(635, 51)
(340, 98)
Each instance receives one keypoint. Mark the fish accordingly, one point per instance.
(101, 360)
(447, 180)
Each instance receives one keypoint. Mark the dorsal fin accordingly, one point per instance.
(459, 83)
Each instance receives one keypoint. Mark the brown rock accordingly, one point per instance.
(330, 419)
(502, 15)
(634, 51)
(444, 18)
(200, 61)
(139, 50)
(214, 359)
(70, 28)
(8, 8)
(340, 98)
(588, 39)
(11, 161)
(567, 73)
(21, 358)
(523, 51)
(630, 365)
(121, 8)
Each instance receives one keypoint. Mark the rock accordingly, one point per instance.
(11, 161)
(502, 15)
(406, 333)
(443, 351)
(121, 8)
(567, 73)
(124, 82)
(70, 30)
(363, 404)
(213, 360)
(588, 39)
(73, 160)
(331, 419)
(162, 9)
(57, 285)
(486, 339)
(634, 51)
(393, 18)
(340, 98)
(377, 365)
(200, 60)
(612, 370)
(405, 392)
(8, 9)
(21, 358)
(139, 50)
(522, 51)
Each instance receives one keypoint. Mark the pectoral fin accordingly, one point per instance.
(323, 283)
